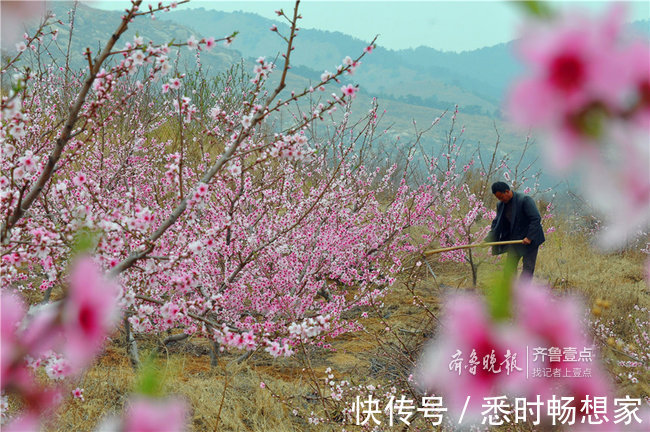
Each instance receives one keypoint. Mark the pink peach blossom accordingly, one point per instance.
(349, 90)
(453, 364)
(80, 179)
(192, 43)
(540, 320)
(89, 313)
(78, 393)
(575, 64)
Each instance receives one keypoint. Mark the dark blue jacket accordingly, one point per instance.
(525, 222)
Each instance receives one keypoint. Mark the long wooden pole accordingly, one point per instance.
(451, 248)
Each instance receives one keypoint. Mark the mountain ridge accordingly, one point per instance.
(414, 85)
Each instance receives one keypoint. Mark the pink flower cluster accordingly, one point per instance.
(349, 90)
(12, 117)
(137, 55)
(185, 108)
(540, 320)
(279, 348)
(168, 312)
(78, 393)
(243, 341)
(261, 70)
(172, 84)
(583, 70)
(194, 44)
(309, 328)
(76, 328)
(588, 91)
(291, 147)
(351, 64)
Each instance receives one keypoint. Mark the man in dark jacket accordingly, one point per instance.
(517, 219)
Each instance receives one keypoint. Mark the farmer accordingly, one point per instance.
(517, 219)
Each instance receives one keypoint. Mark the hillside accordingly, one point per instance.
(92, 27)
(411, 85)
(424, 72)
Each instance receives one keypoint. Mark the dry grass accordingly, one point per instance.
(566, 262)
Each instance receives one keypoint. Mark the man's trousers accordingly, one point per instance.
(529, 255)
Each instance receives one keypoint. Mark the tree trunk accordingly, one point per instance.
(470, 258)
(131, 344)
(214, 354)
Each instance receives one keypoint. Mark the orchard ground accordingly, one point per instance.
(610, 284)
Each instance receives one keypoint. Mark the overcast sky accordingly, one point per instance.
(444, 25)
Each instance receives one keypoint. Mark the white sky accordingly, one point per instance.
(444, 25)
